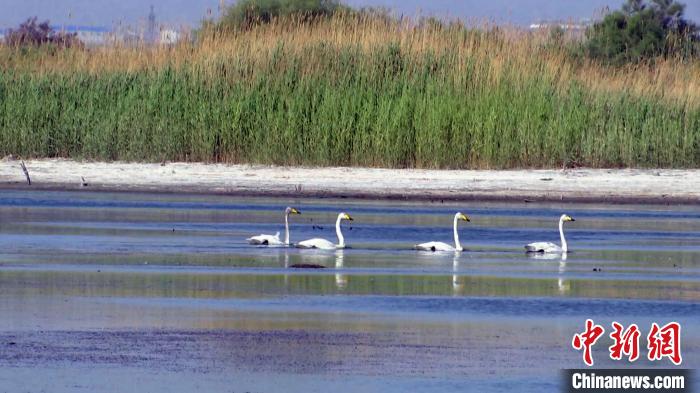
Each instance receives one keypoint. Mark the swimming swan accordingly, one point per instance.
(324, 244)
(439, 246)
(274, 240)
(546, 247)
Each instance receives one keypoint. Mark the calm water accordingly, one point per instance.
(162, 290)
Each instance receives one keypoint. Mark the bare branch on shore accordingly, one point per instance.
(26, 172)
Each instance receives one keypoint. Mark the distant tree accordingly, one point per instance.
(32, 33)
(633, 6)
(248, 13)
(643, 29)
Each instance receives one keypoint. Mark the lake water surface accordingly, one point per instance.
(127, 292)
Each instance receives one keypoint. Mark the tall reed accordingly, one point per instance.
(361, 91)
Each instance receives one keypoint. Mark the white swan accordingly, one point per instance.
(439, 246)
(274, 240)
(546, 247)
(324, 244)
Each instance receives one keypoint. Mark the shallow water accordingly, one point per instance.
(98, 287)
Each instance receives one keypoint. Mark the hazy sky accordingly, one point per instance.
(108, 12)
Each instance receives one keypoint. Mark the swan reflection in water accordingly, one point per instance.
(286, 268)
(563, 285)
(457, 287)
(335, 260)
(341, 280)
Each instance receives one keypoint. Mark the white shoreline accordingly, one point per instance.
(613, 185)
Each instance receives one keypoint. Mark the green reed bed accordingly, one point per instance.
(328, 104)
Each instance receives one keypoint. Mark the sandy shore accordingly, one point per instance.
(579, 185)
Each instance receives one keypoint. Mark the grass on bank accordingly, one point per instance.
(351, 90)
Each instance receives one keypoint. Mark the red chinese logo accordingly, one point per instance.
(626, 343)
(587, 339)
(662, 342)
(665, 342)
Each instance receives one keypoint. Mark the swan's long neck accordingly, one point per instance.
(564, 247)
(458, 246)
(341, 239)
(286, 229)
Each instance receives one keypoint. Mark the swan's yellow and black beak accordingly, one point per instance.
(347, 217)
(569, 218)
(464, 217)
(294, 211)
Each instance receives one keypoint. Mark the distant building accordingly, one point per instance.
(148, 33)
(88, 35)
(127, 35)
(151, 28)
(574, 27)
(169, 37)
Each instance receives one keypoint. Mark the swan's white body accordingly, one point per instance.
(323, 244)
(274, 240)
(440, 246)
(551, 248)
(266, 240)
